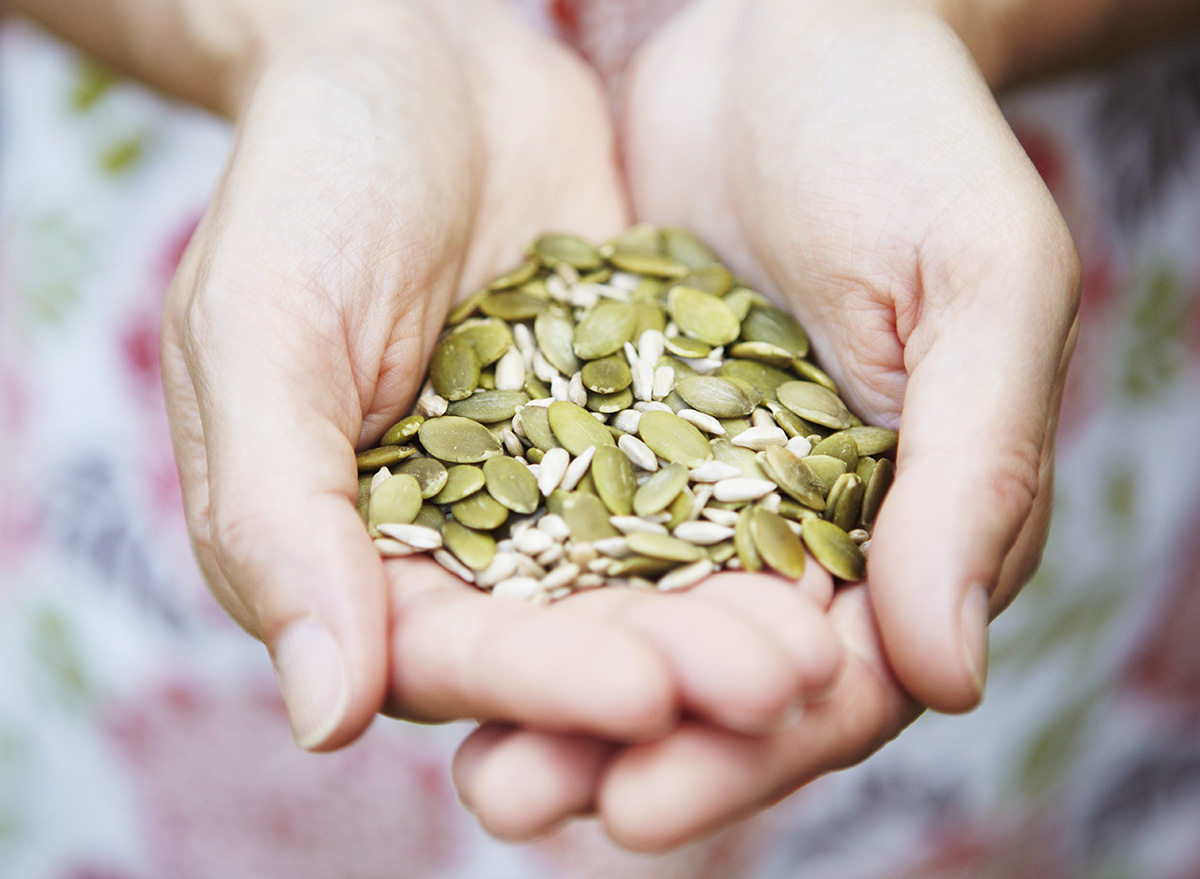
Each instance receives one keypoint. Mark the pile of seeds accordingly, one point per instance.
(628, 413)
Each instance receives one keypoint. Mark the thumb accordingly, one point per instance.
(973, 469)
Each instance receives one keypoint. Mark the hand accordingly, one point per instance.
(851, 157)
(391, 154)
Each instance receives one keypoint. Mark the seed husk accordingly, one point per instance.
(458, 440)
(615, 482)
(814, 403)
(480, 511)
(462, 480)
(475, 549)
(489, 407)
(833, 548)
(674, 439)
(656, 493)
(607, 375)
(397, 499)
(604, 330)
(370, 460)
(717, 396)
(510, 482)
(431, 474)
(575, 428)
(777, 544)
(702, 315)
(662, 546)
(402, 431)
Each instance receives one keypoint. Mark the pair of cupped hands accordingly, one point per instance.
(394, 155)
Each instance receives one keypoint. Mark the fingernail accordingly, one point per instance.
(974, 634)
(312, 679)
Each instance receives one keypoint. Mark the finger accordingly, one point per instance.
(986, 371)
(522, 784)
(659, 795)
(457, 652)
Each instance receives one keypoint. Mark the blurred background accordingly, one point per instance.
(141, 733)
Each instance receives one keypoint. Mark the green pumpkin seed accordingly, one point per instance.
(454, 369)
(834, 549)
(489, 407)
(660, 546)
(430, 474)
(515, 277)
(680, 509)
(555, 334)
(475, 549)
(558, 248)
(639, 566)
(510, 482)
(370, 460)
(647, 316)
(644, 262)
(778, 546)
(720, 553)
(877, 487)
(744, 459)
(604, 329)
(682, 245)
(488, 337)
(814, 403)
(606, 404)
(656, 493)
(713, 278)
(763, 352)
(458, 440)
(535, 421)
(586, 517)
(839, 445)
(674, 439)
(742, 299)
(685, 346)
(716, 396)
(813, 373)
(575, 428)
(402, 431)
(430, 516)
(872, 440)
(613, 475)
(866, 466)
(640, 236)
(608, 375)
(766, 323)
(827, 468)
(743, 543)
(844, 504)
(794, 475)
(512, 305)
(760, 375)
(702, 315)
(397, 499)
(364, 494)
(480, 511)
(793, 425)
(466, 308)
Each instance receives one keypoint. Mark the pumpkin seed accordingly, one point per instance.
(397, 499)
(717, 396)
(661, 546)
(833, 548)
(702, 315)
(674, 439)
(743, 543)
(682, 245)
(402, 431)
(814, 403)
(777, 544)
(844, 504)
(480, 511)
(475, 549)
(608, 404)
(644, 262)
(604, 329)
(827, 468)
(458, 440)
(430, 474)
(557, 248)
(871, 440)
(839, 445)
(515, 277)
(795, 476)
(615, 482)
(489, 407)
(488, 337)
(774, 326)
(657, 492)
(607, 375)
(586, 517)
(510, 482)
(575, 428)
(512, 305)
(371, 460)
(462, 481)
(877, 486)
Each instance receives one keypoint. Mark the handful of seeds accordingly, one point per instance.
(628, 413)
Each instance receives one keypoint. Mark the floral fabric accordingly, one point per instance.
(141, 734)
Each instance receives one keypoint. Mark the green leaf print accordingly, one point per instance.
(1157, 352)
(54, 646)
(92, 83)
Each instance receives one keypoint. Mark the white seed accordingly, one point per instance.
(760, 438)
(553, 466)
(771, 502)
(651, 406)
(519, 588)
(688, 575)
(717, 353)
(393, 549)
(381, 474)
(560, 388)
(584, 295)
(599, 564)
(453, 565)
(503, 566)
(859, 535)
(577, 469)
(543, 368)
(576, 392)
(417, 536)
(599, 416)
(865, 547)
(705, 422)
(581, 553)
(516, 425)
(799, 445)
(556, 594)
(703, 494)
(672, 330)
(533, 542)
(567, 272)
(432, 406)
(505, 545)
(554, 525)
(624, 281)
(543, 402)
(526, 343)
(762, 418)
(561, 576)
(512, 444)
(733, 564)
(613, 547)
(608, 291)
(551, 556)
(589, 581)
(510, 370)
(641, 584)
(643, 381)
(627, 420)
(703, 533)
(795, 526)
(664, 382)
(703, 365)
(638, 452)
(728, 518)
(527, 567)
(651, 345)
(631, 524)
(557, 288)
(631, 355)
(742, 488)
(714, 471)
(517, 527)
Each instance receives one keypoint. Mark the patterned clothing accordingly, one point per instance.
(141, 733)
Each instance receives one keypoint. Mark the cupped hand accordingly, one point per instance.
(850, 157)
(389, 156)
